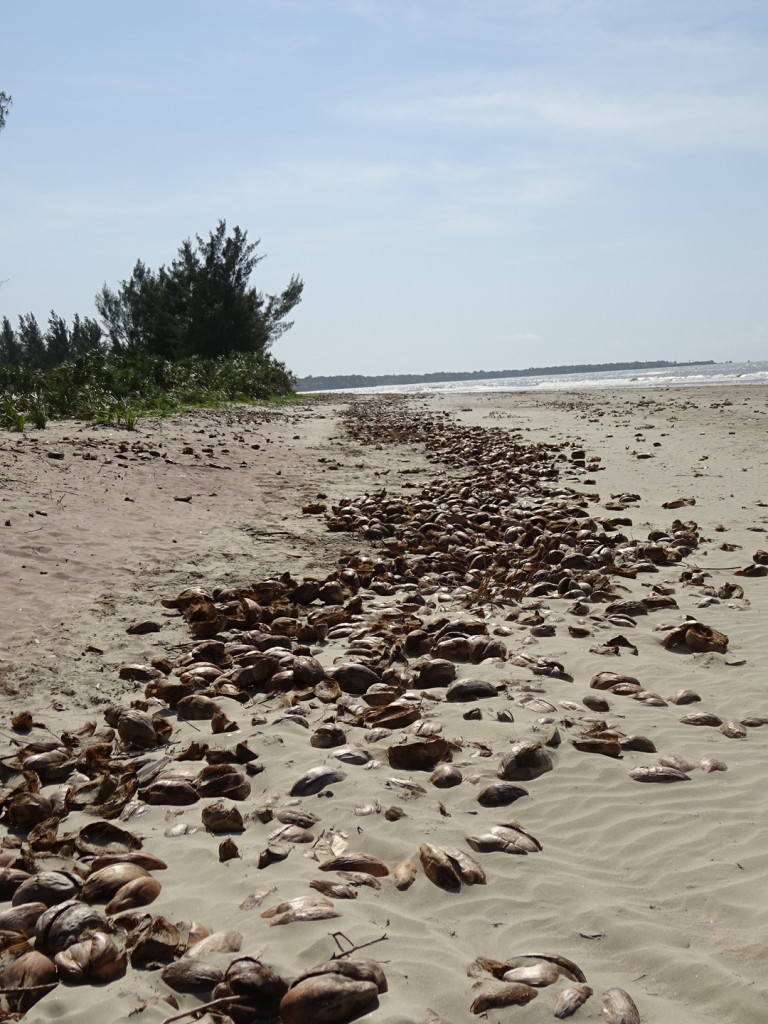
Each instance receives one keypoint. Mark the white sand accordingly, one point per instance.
(657, 889)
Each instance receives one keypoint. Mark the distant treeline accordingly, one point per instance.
(356, 380)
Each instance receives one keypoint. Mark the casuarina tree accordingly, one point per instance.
(5, 102)
(202, 304)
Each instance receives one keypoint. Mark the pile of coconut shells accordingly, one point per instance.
(519, 980)
(431, 611)
(76, 898)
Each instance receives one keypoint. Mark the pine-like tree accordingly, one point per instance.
(200, 305)
(10, 350)
(31, 342)
(57, 344)
(85, 336)
(5, 102)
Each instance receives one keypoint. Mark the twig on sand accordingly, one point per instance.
(353, 948)
(28, 988)
(223, 1000)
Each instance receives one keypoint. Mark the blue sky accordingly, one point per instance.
(462, 184)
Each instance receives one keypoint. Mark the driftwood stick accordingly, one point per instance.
(353, 949)
(223, 1000)
(27, 988)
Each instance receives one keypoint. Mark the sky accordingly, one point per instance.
(461, 184)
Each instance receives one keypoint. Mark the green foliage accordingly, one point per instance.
(129, 418)
(31, 342)
(117, 389)
(10, 349)
(201, 305)
(85, 336)
(29, 347)
(5, 102)
(38, 409)
(57, 341)
(191, 334)
(10, 417)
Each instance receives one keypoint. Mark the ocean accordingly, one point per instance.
(662, 377)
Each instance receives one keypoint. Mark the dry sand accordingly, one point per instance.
(657, 889)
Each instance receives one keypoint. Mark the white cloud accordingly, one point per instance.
(659, 118)
(688, 75)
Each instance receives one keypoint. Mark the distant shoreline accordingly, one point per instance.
(335, 382)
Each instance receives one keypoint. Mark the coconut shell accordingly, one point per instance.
(10, 880)
(101, 885)
(249, 976)
(524, 761)
(437, 672)
(139, 892)
(619, 1007)
(136, 729)
(191, 975)
(27, 809)
(419, 755)
(196, 708)
(358, 968)
(354, 678)
(446, 776)
(22, 917)
(153, 943)
(438, 867)
(63, 925)
(148, 861)
(100, 957)
(218, 818)
(27, 980)
(175, 792)
(216, 942)
(326, 999)
(222, 780)
(363, 863)
(48, 887)
(102, 837)
(51, 765)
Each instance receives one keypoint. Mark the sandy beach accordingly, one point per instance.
(638, 510)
